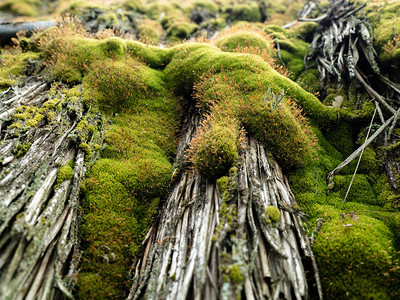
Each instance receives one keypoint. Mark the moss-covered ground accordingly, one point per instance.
(238, 83)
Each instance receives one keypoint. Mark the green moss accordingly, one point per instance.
(273, 213)
(147, 32)
(217, 23)
(71, 66)
(180, 30)
(74, 91)
(13, 63)
(361, 190)
(215, 148)
(341, 137)
(120, 85)
(34, 121)
(236, 275)
(369, 162)
(154, 57)
(238, 39)
(135, 5)
(293, 49)
(394, 225)
(309, 80)
(86, 148)
(386, 31)
(306, 30)
(124, 187)
(207, 5)
(222, 184)
(92, 285)
(21, 7)
(65, 173)
(23, 148)
(246, 12)
(113, 47)
(355, 261)
(280, 132)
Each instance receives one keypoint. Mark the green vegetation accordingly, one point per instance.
(246, 12)
(355, 257)
(21, 7)
(245, 37)
(149, 31)
(385, 20)
(23, 148)
(273, 213)
(141, 87)
(65, 173)
(216, 146)
(13, 63)
(126, 183)
(292, 49)
(236, 274)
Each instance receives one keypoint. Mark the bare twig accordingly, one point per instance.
(359, 150)
(278, 49)
(359, 159)
(372, 92)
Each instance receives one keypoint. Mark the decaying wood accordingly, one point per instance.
(201, 237)
(38, 220)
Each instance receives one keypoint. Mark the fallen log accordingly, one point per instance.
(10, 30)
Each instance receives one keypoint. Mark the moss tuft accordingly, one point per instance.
(13, 64)
(216, 147)
(117, 85)
(180, 30)
(239, 37)
(236, 275)
(223, 184)
(23, 148)
(113, 47)
(273, 213)
(65, 173)
(283, 131)
(86, 148)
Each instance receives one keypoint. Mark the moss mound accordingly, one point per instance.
(246, 12)
(216, 146)
(244, 36)
(355, 258)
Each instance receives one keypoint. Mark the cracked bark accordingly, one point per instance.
(38, 219)
(190, 252)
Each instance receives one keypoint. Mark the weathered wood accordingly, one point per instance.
(10, 30)
(39, 216)
(199, 240)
